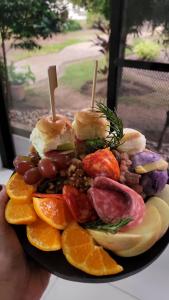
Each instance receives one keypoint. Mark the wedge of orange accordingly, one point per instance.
(100, 263)
(54, 211)
(18, 190)
(43, 236)
(81, 252)
(20, 213)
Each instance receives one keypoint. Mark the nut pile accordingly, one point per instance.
(77, 176)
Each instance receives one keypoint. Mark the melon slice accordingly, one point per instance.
(164, 194)
(163, 210)
(116, 242)
(149, 229)
(135, 240)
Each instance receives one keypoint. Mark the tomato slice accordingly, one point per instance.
(79, 204)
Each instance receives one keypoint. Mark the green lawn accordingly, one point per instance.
(46, 49)
(77, 74)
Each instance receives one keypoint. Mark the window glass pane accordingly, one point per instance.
(143, 99)
(147, 30)
(82, 39)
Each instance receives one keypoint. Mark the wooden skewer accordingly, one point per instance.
(53, 83)
(94, 84)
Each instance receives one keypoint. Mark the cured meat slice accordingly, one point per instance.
(79, 204)
(101, 163)
(113, 200)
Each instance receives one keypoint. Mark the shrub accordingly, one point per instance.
(103, 43)
(20, 77)
(94, 19)
(72, 25)
(146, 50)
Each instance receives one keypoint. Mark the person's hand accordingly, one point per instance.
(19, 279)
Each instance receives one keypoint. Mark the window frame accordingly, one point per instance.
(7, 152)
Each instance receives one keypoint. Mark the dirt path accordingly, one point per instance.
(40, 64)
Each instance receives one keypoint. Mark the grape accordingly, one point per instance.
(23, 166)
(20, 158)
(61, 160)
(47, 168)
(32, 176)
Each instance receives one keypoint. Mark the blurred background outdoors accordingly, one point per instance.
(71, 35)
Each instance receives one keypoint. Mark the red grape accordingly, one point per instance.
(47, 168)
(21, 158)
(23, 166)
(32, 176)
(61, 160)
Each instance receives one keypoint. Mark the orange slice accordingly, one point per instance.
(81, 252)
(54, 211)
(20, 213)
(100, 263)
(18, 190)
(43, 236)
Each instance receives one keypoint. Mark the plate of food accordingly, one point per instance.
(90, 202)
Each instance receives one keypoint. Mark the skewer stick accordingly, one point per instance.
(94, 84)
(52, 77)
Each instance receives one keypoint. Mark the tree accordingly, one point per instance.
(23, 22)
(96, 6)
(137, 12)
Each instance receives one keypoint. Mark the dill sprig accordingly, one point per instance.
(99, 225)
(115, 132)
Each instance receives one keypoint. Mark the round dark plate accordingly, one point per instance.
(56, 263)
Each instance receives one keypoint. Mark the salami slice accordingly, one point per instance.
(79, 204)
(113, 200)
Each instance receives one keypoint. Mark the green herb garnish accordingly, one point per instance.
(99, 225)
(116, 124)
(115, 132)
(95, 144)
